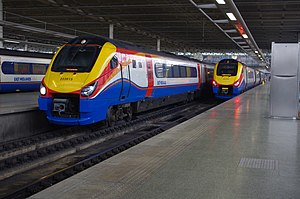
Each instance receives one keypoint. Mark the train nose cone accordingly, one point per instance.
(67, 82)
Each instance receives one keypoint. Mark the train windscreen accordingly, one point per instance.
(227, 69)
(76, 58)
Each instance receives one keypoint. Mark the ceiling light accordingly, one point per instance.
(205, 6)
(231, 16)
(230, 31)
(245, 36)
(256, 51)
(220, 2)
(221, 21)
(236, 37)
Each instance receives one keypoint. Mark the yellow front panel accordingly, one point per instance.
(227, 79)
(67, 82)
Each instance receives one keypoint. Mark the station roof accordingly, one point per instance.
(179, 24)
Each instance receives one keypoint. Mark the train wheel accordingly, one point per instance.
(190, 97)
(111, 117)
(129, 114)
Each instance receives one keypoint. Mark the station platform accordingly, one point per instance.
(20, 116)
(231, 151)
(18, 102)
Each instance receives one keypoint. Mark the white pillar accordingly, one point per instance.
(111, 31)
(1, 27)
(158, 44)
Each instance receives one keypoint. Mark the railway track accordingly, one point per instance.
(32, 164)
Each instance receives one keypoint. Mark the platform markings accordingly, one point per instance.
(258, 163)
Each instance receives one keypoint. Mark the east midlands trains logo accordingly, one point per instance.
(22, 79)
(66, 79)
(161, 83)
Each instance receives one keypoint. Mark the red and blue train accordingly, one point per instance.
(91, 79)
(232, 78)
(22, 71)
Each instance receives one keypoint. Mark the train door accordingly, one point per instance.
(149, 67)
(205, 76)
(200, 73)
(251, 77)
(125, 78)
(245, 76)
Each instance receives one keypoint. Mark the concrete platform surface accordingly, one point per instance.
(20, 116)
(232, 151)
(18, 102)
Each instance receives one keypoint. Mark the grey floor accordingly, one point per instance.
(232, 151)
(18, 102)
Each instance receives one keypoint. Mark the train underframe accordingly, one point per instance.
(70, 110)
(126, 111)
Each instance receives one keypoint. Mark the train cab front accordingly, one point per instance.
(228, 80)
(68, 92)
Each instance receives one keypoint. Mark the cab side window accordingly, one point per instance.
(114, 62)
(140, 65)
(133, 63)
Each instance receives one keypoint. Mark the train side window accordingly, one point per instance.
(159, 70)
(250, 74)
(176, 71)
(39, 69)
(183, 71)
(210, 73)
(8, 67)
(193, 72)
(140, 65)
(257, 74)
(22, 68)
(114, 62)
(168, 72)
(188, 72)
(133, 63)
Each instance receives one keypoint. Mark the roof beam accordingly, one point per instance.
(210, 19)
(221, 21)
(240, 19)
(117, 23)
(34, 29)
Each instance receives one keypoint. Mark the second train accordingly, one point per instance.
(232, 78)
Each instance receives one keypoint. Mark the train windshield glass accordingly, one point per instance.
(227, 69)
(76, 58)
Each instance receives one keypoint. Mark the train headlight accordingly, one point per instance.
(43, 90)
(236, 84)
(89, 90)
(214, 83)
